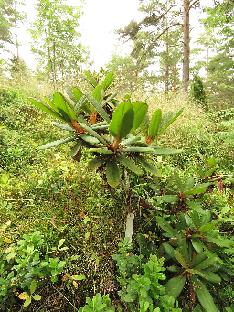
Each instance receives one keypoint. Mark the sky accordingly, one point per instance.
(97, 26)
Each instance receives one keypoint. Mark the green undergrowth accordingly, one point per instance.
(47, 192)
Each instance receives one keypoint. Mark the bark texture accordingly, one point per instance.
(186, 45)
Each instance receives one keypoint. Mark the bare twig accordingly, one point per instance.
(66, 299)
(193, 4)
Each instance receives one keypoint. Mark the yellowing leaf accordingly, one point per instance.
(75, 284)
(7, 240)
(87, 235)
(23, 296)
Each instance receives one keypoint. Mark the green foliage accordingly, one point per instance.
(119, 135)
(56, 40)
(158, 27)
(182, 195)
(155, 123)
(193, 246)
(197, 91)
(10, 17)
(7, 97)
(218, 24)
(122, 120)
(205, 298)
(25, 265)
(98, 303)
(140, 281)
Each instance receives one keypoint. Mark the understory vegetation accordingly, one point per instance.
(62, 224)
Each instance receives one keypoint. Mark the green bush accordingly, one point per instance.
(9, 97)
(25, 266)
(98, 303)
(141, 283)
(197, 91)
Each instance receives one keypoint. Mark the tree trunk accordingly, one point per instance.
(17, 54)
(54, 65)
(167, 53)
(167, 65)
(174, 78)
(186, 45)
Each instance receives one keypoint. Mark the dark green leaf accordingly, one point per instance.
(138, 149)
(155, 123)
(75, 149)
(198, 189)
(180, 258)
(207, 227)
(65, 127)
(169, 250)
(165, 225)
(100, 150)
(63, 106)
(199, 258)
(131, 140)
(122, 120)
(130, 164)
(220, 241)
(98, 108)
(112, 174)
(198, 245)
(211, 277)
(209, 262)
(45, 108)
(99, 126)
(93, 133)
(185, 249)
(205, 298)
(146, 164)
(97, 93)
(95, 163)
(175, 286)
(198, 308)
(140, 110)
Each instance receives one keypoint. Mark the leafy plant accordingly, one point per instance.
(98, 303)
(141, 282)
(25, 265)
(116, 141)
(192, 245)
(31, 295)
(182, 195)
(197, 91)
